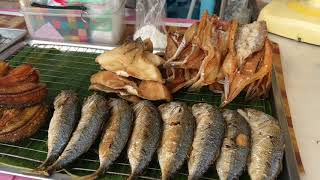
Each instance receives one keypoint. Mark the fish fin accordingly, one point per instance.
(38, 172)
(243, 113)
(216, 156)
(189, 152)
(226, 86)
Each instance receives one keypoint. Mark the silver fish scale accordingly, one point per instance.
(117, 130)
(208, 138)
(115, 135)
(61, 125)
(93, 115)
(145, 136)
(267, 145)
(177, 137)
(233, 158)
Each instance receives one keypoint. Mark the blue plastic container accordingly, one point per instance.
(207, 5)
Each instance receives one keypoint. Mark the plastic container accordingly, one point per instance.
(103, 25)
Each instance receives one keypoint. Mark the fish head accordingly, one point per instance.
(255, 117)
(200, 109)
(172, 110)
(65, 96)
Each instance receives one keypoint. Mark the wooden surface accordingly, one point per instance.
(7, 21)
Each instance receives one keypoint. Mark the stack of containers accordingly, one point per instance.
(101, 23)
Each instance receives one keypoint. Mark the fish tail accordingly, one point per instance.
(132, 177)
(100, 171)
(193, 176)
(48, 162)
(165, 176)
(39, 172)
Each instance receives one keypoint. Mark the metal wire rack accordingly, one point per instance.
(70, 67)
(9, 36)
(4, 41)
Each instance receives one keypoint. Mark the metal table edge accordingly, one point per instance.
(290, 156)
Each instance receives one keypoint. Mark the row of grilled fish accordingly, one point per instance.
(172, 130)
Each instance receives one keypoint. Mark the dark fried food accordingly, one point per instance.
(24, 99)
(20, 74)
(20, 124)
(4, 68)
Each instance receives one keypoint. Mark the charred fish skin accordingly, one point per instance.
(267, 146)
(178, 127)
(62, 124)
(93, 115)
(235, 148)
(208, 138)
(145, 136)
(115, 136)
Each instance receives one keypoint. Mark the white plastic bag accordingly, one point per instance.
(149, 24)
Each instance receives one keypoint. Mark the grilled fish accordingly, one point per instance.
(61, 125)
(267, 146)
(177, 137)
(235, 148)
(115, 137)
(208, 139)
(145, 136)
(93, 114)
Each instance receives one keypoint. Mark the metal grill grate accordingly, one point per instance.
(9, 36)
(70, 67)
(4, 42)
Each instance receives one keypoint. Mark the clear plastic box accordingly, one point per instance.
(64, 25)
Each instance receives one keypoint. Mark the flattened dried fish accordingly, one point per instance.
(251, 38)
(235, 148)
(249, 74)
(128, 60)
(145, 136)
(208, 139)
(177, 137)
(113, 81)
(115, 137)
(267, 145)
(61, 126)
(153, 90)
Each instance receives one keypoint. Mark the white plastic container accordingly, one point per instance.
(106, 24)
(103, 25)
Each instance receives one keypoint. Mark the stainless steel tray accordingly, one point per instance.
(290, 170)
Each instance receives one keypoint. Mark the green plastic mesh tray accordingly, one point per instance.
(63, 67)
